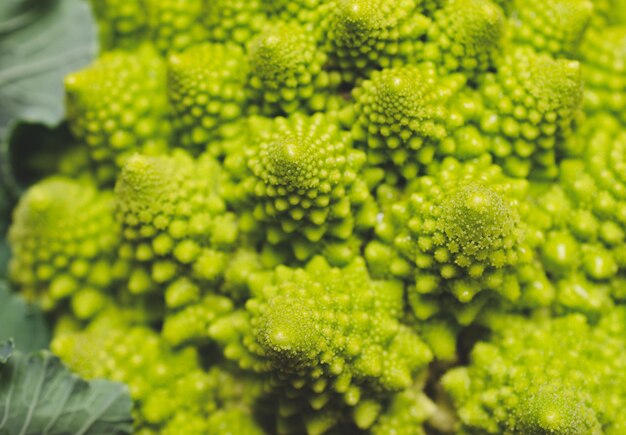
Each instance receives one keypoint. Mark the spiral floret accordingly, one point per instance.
(534, 25)
(365, 35)
(542, 375)
(403, 114)
(288, 72)
(206, 88)
(458, 231)
(234, 21)
(177, 236)
(530, 106)
(64, 240)
(465, 36)
(122, 23)
(174, 26)
(117, 106)
(304, 178)
(327, 337)
(309, 13)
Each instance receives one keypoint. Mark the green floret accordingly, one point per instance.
(543, 376)
(309, 13)
(583, 216)
(64, 240)
(287, 72)
(604, 65)
(118, 106)
(459, 231)
(190, 323)
(405, 414)
(404, 113)
(326, 337)
(170, 391)
(305, 186)
(122, 23)
(234, 21)
(530, 106)
(206, 87)
(177, 236)
(533, 24)
(364, 35)
(175, 25)
(465, 36)
(324, 217)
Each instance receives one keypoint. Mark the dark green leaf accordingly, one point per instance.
(22, 322)
(38, 395)
(40, 42)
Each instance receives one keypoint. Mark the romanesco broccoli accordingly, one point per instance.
(342, 216)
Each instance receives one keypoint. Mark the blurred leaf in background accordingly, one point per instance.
(38, 395)
(40, 42)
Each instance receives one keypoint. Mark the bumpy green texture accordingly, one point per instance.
(122, 22)
(177, 233)
(583, 219)
(206, 89)
(405, 414)
(364, 35)
(465, 35)
(341, 216)
(288, 72)
(543, 376)
(533, 24)
(604, 66)
(458, 231)
(178, 239)
(172, 394)
(306, 12)
(174, 25)
(530, 105)
(326, 337)
(402, 115)
(305, 185)
(117, 106)
(64, 240)
(234, 21)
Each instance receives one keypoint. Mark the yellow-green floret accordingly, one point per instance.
(327, 338)
(365, 35)
(117, 106)
(304, 181)
(64, 240)
(403, 114)
(459, 231)
(536, 25)
(234, 21)
(122, 22)
(465, 36)
(206, 88)
(177, 235)
(544, 376)
(530, 104)
(604, 66)
(175, 25)
(288, 72)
